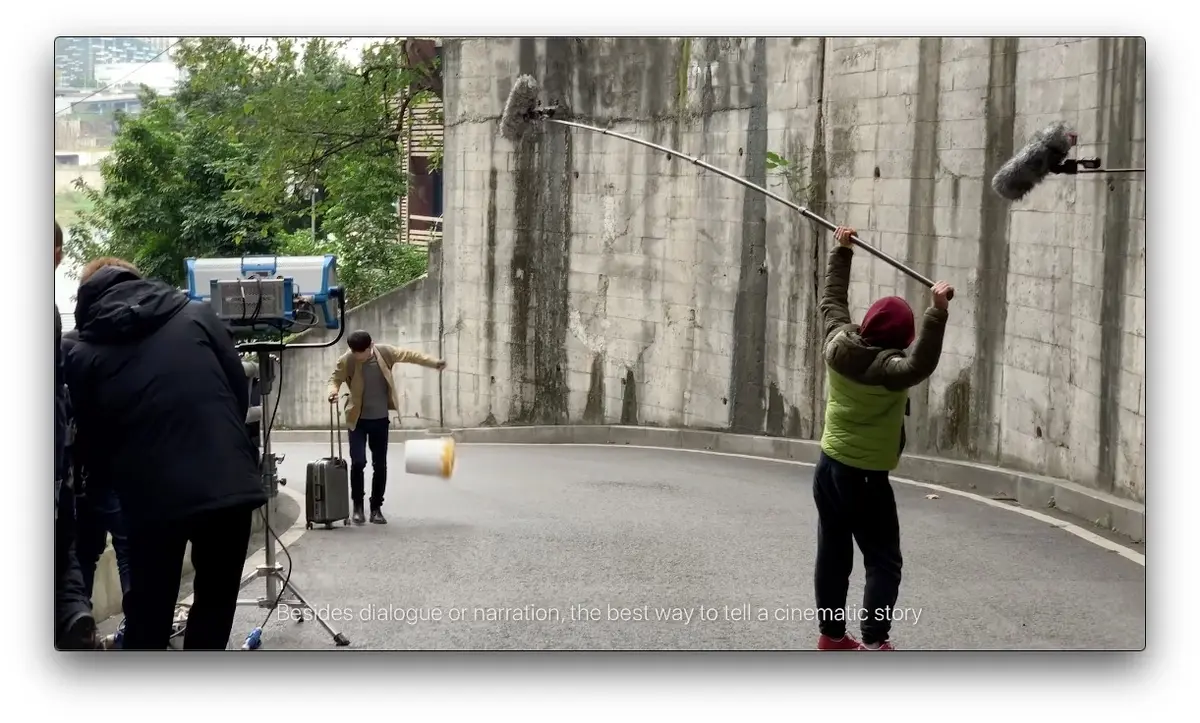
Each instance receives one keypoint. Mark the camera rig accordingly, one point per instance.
(1075, 166)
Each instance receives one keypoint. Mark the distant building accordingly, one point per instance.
(80, 158)
(130, 77)
(76, 59)
(100, 104)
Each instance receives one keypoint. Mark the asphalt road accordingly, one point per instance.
(587, 547)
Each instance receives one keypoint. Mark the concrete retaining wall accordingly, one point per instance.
(407, 317)
(64, 178)
(589, 280)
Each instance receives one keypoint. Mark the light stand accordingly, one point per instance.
(277, 583)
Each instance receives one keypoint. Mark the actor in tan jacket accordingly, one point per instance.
(367, 370)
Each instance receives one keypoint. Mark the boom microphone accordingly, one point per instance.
(1042, 154)
(520, 110)
(523, 112)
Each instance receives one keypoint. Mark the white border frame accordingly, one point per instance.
(733, 687)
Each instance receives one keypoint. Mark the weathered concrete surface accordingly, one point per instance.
(409, 317)
(553, 528)
(589, 280)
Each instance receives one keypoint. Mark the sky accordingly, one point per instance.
(162, 75)
(352, 52)
(64, 288)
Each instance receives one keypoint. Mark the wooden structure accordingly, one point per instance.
(421, 208)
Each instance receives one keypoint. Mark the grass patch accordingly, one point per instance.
(68, 205)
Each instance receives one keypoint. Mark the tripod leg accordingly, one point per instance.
(338, 638)
(277, 584)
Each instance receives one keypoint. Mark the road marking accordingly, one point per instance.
(1123, 551)
(287, 539)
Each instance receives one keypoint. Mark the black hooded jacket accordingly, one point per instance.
(69, 338)
(63, 396)
(160, 398)
(61, 422)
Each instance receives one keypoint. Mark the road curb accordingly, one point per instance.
(1124, 517)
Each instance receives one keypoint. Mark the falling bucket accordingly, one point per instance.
(430, 457)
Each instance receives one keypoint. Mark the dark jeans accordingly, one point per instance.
(70, 603)
(373, 434)
(219, 540)
(855, 505)
(98, 515)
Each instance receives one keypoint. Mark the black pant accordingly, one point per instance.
(71, 602)
(859, 506)
(372, 433)
(97, 516)
(219, 541)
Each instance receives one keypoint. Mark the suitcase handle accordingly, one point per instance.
(333, 405)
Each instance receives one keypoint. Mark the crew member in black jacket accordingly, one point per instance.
(74, 626)
(160, 399)
(97, 515)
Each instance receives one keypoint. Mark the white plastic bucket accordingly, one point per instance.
(430, 457)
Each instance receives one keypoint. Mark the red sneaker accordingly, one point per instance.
(885, 645)
(845, 642)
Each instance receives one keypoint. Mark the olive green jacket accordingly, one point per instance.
(348, 368)
(868, 385)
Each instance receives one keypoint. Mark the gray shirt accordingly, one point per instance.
(375, 391)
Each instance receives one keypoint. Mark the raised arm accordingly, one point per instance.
(835, 300)
(395, 355)
(904, 371)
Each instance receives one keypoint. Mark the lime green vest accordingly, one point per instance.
(862, 424)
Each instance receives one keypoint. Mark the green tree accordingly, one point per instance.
(259, 144)
(165, 197)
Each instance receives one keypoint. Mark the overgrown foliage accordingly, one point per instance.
(259, 144)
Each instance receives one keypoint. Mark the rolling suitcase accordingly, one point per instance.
(327, 487)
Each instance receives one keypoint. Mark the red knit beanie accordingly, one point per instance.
(889, 323)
